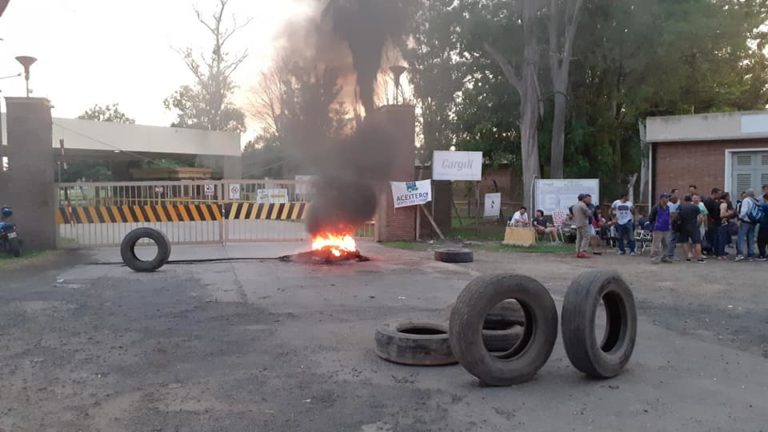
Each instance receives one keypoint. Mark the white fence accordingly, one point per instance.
(188, 212)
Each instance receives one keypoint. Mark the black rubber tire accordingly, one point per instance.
(14, 247)
(520, 364)
(393, 345)
(505, 315)
(607, 358)
(501, 341)
(128, 253)
(454, 256)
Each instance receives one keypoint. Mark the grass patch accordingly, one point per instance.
(540, 248)
(6, 260)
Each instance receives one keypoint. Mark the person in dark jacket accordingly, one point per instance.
(660, 220)
(762, 231)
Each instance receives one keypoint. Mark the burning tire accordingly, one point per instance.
(520, 363)
(454, 256)
(128, 250)
(414, 343)
(605, 358)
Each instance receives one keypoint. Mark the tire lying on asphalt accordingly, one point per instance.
(605, 358)
(529, 354)
(503, 326)
(414, 343)
(505, 315)
(454, 256)
(128, 250)
(501, 341)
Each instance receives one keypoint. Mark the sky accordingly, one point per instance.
(116, 51)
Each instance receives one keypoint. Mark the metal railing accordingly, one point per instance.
(100, 214)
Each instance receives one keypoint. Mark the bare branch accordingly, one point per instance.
(506, 66)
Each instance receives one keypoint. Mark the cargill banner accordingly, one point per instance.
(406, 194)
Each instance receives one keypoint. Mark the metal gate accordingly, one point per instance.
(188, 212)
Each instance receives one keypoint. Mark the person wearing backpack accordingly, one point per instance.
(747, 225)
(762, 232)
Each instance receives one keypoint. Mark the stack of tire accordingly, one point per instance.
(503, 329)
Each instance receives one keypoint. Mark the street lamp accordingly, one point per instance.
(27, 62)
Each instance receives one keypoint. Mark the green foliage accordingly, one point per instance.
(206, 104)
(194, 111)
(106, 113)
(632, 59)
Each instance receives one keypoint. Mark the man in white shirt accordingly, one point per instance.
(623, 209)
(520, 219)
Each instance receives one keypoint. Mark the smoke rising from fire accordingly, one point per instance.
(351, 38)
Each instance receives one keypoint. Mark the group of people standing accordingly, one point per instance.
(703, 226)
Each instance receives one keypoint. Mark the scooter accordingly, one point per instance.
(9, 238)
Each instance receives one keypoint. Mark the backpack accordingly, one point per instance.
(756, 213)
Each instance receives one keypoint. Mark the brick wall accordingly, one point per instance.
(400, 224)
(30, 176)
(677, 165)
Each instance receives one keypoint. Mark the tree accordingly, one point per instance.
(296, 102)
(525, 81)
(562, 28)
(106, 113)
(206, 104)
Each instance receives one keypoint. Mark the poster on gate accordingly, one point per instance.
(234, 192)
(406, 194)
(272, 196)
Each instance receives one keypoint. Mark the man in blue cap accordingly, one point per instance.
(661, 224)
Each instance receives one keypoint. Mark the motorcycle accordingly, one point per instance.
(9, 238)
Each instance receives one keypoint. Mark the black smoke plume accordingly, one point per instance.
(366, 26)
(349, 37)
(351, 174)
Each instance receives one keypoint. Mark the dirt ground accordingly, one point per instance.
(271, 346)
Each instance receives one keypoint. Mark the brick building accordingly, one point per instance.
(727, 150)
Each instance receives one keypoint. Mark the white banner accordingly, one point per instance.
(272, 196)
(457, 166)
(492, 205)
(406, 194)
(559, 195)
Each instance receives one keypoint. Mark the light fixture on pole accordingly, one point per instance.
(397, 73)
(27, 62)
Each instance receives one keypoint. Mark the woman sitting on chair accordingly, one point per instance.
(543, 227)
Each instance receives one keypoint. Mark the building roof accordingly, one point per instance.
(130, 138)
(708, 127)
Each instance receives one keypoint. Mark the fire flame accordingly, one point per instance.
(335, 243)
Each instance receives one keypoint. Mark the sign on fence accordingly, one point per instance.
(492, 205)
(272, 196)
(411, 193)
(234, 191)
(558, 195)
(210, 190)
(457, 166)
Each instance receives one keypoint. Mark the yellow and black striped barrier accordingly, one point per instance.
(138, 214)
(251, 211)
(180, 213)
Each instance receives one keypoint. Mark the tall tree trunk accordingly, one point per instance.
(560, 65)
(557, 163)
(527, 85)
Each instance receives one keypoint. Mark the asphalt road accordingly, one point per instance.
(271, 346)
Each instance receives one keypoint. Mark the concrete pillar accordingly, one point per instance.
(30, 188)
(400, 224)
